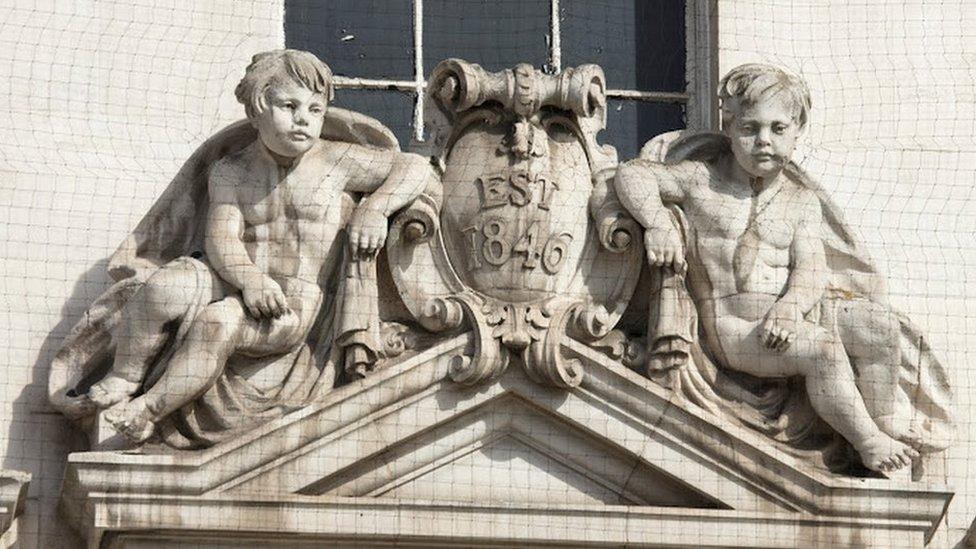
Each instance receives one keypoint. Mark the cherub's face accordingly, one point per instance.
(292, 122)
(764, 136)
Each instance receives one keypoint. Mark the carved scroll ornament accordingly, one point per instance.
(524, 244)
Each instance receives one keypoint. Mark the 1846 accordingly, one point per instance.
(487, 243)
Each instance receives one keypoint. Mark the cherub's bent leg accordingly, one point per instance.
(870, 332)
(820, 358)
(142, 331)
(195, 366)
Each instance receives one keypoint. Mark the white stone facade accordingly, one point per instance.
(893, 85)
(104, 100)
(147, 82)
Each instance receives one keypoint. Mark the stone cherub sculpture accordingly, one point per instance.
(263, 281)
(779, 285)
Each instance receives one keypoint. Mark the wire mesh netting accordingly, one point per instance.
(105, 102)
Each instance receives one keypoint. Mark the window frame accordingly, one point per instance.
(701, 68)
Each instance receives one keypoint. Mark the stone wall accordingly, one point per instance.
(106, 98)
(892, 139)
(103, 100)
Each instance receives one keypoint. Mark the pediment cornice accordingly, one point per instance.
(385, 430)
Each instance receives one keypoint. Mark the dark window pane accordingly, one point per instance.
(364, 38)
(394, 109)
(630, 124)
(639, 43)
(496, 34)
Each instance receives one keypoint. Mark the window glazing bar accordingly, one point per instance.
(650, 96)
(346, 82)
(418, 69)
(555, 38)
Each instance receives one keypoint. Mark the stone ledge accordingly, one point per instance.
(13, 495)
(258, 487)
(283, 521)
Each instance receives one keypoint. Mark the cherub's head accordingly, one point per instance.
(764, 112)
(285, 94)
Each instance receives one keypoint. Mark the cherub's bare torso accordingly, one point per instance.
(719, 211)
(292, 216)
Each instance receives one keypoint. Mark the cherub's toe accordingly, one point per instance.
(138, 431)
(98, 396)
(79, 407)
(115, 417)
(131, 420)
(885, 454)
(110, 391)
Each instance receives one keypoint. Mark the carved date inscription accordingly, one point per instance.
(518, 188)
(496, 240)
(488, 242)
(525, 236)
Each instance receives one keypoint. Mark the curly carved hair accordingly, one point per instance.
(272, 67)
(747, 84)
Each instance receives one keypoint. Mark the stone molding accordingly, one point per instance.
(471, 346)
(275, 482)
(13, 496)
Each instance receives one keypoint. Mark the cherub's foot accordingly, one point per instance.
(77, 407)
(111, 391)
(899, 429)
(132, 420)
(885, 454)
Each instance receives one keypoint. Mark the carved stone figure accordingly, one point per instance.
(777, 280)
(263, 277)
(484, 351)
(525, 242)
(225, 310)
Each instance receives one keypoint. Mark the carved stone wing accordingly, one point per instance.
(172, 228)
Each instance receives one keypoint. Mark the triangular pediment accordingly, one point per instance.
(411, 437)
(506, 450)
(504, 469)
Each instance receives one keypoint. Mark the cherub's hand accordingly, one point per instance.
(657, 148)
(367, 230)
(780, 327)
(665, 249)
(264, 298)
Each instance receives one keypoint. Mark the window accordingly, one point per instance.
(655, 53)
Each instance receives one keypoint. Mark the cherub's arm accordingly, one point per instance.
(643, 186)
(226, 252)
(393, 180)
(225, 226)
(808, 277)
